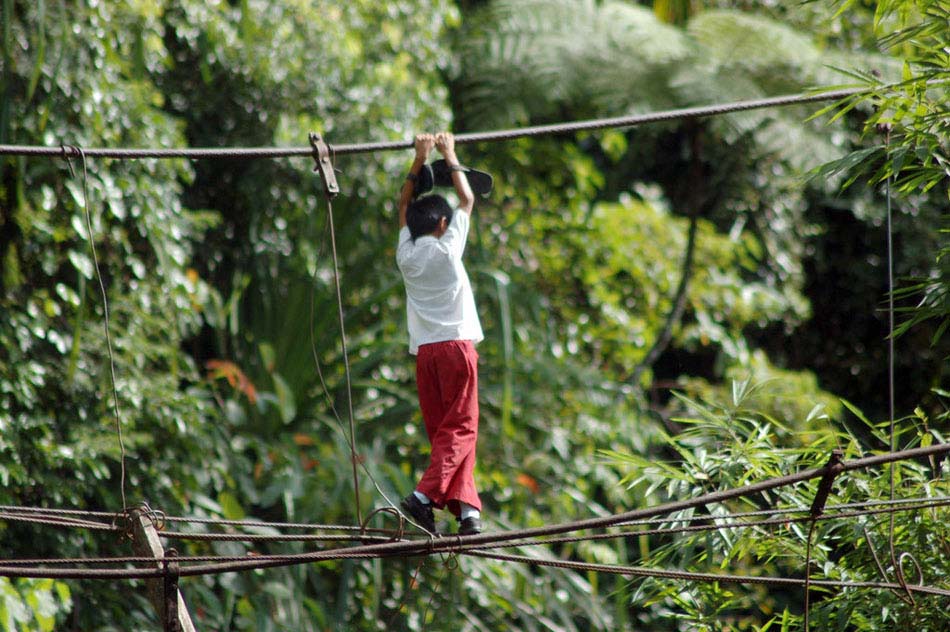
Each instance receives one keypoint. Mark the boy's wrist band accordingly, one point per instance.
(411, 177)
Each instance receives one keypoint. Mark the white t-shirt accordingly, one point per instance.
(440, 305)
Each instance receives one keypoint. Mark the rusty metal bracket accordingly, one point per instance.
(321, 155)
(832, 469)
(172, 622)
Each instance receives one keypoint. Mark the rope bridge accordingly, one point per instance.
(143, 523)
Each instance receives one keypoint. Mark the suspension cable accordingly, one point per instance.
(476, 137)
(451, 544)
(642, 571)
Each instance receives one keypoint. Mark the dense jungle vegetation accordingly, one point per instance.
(669, 309)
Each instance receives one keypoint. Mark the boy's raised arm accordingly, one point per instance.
(424, 144)
(445, 143)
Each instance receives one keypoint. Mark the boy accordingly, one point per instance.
(443, 331)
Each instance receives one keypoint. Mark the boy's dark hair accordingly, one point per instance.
(425, 213)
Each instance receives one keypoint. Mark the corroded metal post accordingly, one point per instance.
(163, 592)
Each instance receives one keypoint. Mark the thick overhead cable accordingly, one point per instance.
(476, 137)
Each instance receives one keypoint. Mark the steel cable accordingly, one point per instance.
(388, 535)
(78, 151)
(377, 534)
(244, 153)
(642, 571)
(920, 502)
(56, 521)
(453, 544)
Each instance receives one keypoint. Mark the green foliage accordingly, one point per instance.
(781, 394)
(731, 443)
(223, 302)
(59, 436)
(594, 59)
(911, 109)
(32, 604)
(932, 296)
(907, 130)
(736, 172)
(917, 155)
(611, 310)
(545, 56)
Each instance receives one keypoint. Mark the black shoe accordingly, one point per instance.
(419, 512)
(470, 526)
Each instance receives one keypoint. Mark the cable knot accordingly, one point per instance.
(451, 562)
(156, 516)
(69, 151)
(122, 522)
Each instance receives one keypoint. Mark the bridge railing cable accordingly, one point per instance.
(451, 544)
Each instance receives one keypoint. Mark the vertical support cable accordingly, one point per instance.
(324, 166)
(346, 365)
(808, 545)
(890, 340)
(170, 592)
(75, 150)
(896, 562)
(832, 469)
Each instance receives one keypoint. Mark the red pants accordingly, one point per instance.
(447, 379)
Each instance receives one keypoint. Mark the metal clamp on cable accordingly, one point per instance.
(832, 469)
(321, 155)
(170, 563)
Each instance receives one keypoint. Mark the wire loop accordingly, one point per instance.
(902, 578)
(399, 533)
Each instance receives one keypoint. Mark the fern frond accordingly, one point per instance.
(592, 57)
(775, 56)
